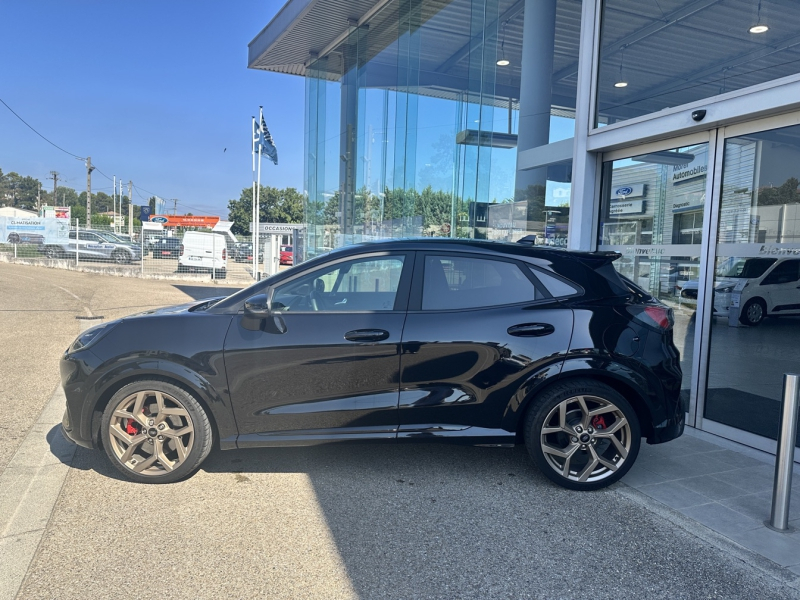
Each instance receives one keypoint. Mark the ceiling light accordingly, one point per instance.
(759, 29)
(621, 84)
(503, 62)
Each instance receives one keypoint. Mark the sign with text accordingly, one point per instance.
(184, 220)
(279, 228)
(631, 190)
(629, 207)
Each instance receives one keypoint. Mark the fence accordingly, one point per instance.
(147, 254)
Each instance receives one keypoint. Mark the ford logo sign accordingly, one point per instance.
(624, 191)
(158, 219)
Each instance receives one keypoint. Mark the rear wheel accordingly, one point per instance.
(582, 434)
(753, 312)
(155, 432)
(120, 257)
(53, 252)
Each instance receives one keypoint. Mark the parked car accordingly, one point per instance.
(244, 253)
(462, 341)
(768, 287)
(206, 252)
(91, 244)
(286, 255)
(21, 237)
(168, 247)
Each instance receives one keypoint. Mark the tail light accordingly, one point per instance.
(656, 316)
(181, 249)
(224, 254)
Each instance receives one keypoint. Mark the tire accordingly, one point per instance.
(53, 252)
(120, 257)
(580, 398)
(151, 448)
(753, 312)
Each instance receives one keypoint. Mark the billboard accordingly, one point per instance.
(33, 230)
(184, 220)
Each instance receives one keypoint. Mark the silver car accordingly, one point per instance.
(94, 245)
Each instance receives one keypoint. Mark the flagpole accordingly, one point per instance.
(258, 187)
(253, 220)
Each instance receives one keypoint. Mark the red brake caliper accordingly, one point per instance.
(132, 428)
(598, 422)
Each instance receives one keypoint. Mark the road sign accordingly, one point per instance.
(280, 228)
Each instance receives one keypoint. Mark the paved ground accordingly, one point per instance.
(363, 521)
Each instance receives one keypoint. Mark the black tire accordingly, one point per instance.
(200, 438)
(221, 274)
(53, 252)
(120, 257)
(545, 408)
(753, 312)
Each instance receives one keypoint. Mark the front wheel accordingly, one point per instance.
(582, 434)
(753, 312)
(53, 252)
(155, 432)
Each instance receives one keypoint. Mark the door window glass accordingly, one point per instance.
(755, 278)
(356, 285)
(458, 282)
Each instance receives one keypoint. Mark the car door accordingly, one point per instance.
(781, 287)
(333, 373)
(477, 328)
(90, 245)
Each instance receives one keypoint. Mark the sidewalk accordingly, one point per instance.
(722, 485)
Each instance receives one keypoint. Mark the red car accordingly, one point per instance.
(286, 255)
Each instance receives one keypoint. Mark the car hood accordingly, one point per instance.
(177, 309)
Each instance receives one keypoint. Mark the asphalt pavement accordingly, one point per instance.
(337, 521)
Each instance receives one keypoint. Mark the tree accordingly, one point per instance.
(786, 193)
(276, 206)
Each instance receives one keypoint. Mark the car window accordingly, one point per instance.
(87, 237)
(355, 285)
(753, 268)
(557, 287)
(785, 272)
(453, 282)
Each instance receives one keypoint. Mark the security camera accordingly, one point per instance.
(698, 115)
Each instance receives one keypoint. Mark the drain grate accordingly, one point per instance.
(97, 318)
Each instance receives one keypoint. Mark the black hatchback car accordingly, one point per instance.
(461, 341)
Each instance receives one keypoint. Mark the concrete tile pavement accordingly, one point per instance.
(724, 487)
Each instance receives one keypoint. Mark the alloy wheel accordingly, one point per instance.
(755, 312)
(151, 433)
(586, 438)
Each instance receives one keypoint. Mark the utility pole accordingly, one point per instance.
(54, 175)
(39, 199)
(89, 169)
(114, 200)
(130, 209)
(174, 206)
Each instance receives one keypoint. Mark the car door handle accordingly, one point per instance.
(531, 329)
(366, 335)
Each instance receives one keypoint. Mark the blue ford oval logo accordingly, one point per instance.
(158, 219)
(624, 191)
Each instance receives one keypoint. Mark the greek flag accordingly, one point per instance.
(264, 141)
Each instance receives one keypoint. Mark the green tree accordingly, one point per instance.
(276, 206)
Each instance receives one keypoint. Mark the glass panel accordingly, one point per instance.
(453, 283)
(756, 293)
(655, 55)
(346, 287)
(652, 209)
(413, 123)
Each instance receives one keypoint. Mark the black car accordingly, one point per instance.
(473, 342)
(167, 247)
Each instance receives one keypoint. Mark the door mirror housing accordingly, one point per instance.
(258, 316)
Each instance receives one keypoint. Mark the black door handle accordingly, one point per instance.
(531, 329)
(366, 335)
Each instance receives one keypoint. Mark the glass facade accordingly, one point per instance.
(655, 55)
(412, 125)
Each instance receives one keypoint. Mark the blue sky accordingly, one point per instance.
(153, 91)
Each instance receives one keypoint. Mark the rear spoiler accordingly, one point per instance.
(598, 258)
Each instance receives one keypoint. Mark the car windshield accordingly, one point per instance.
(750, 268)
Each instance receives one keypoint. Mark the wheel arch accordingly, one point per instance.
(105, 397)
(624, 387)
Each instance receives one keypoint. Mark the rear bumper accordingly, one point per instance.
(668, 430)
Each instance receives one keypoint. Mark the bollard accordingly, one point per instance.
(784, 458)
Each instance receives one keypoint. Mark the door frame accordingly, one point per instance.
(716, 139)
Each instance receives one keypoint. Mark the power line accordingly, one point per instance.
(39, 134)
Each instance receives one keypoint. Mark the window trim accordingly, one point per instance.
(415, 299)
(403, 286)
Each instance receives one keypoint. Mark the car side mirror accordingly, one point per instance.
(258, 316)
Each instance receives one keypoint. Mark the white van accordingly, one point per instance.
(204, 252)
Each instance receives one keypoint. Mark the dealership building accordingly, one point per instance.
(668, 131)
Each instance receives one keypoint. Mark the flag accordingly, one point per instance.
(266, 143)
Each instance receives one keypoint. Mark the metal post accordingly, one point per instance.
(784, 459)
(77, 241)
